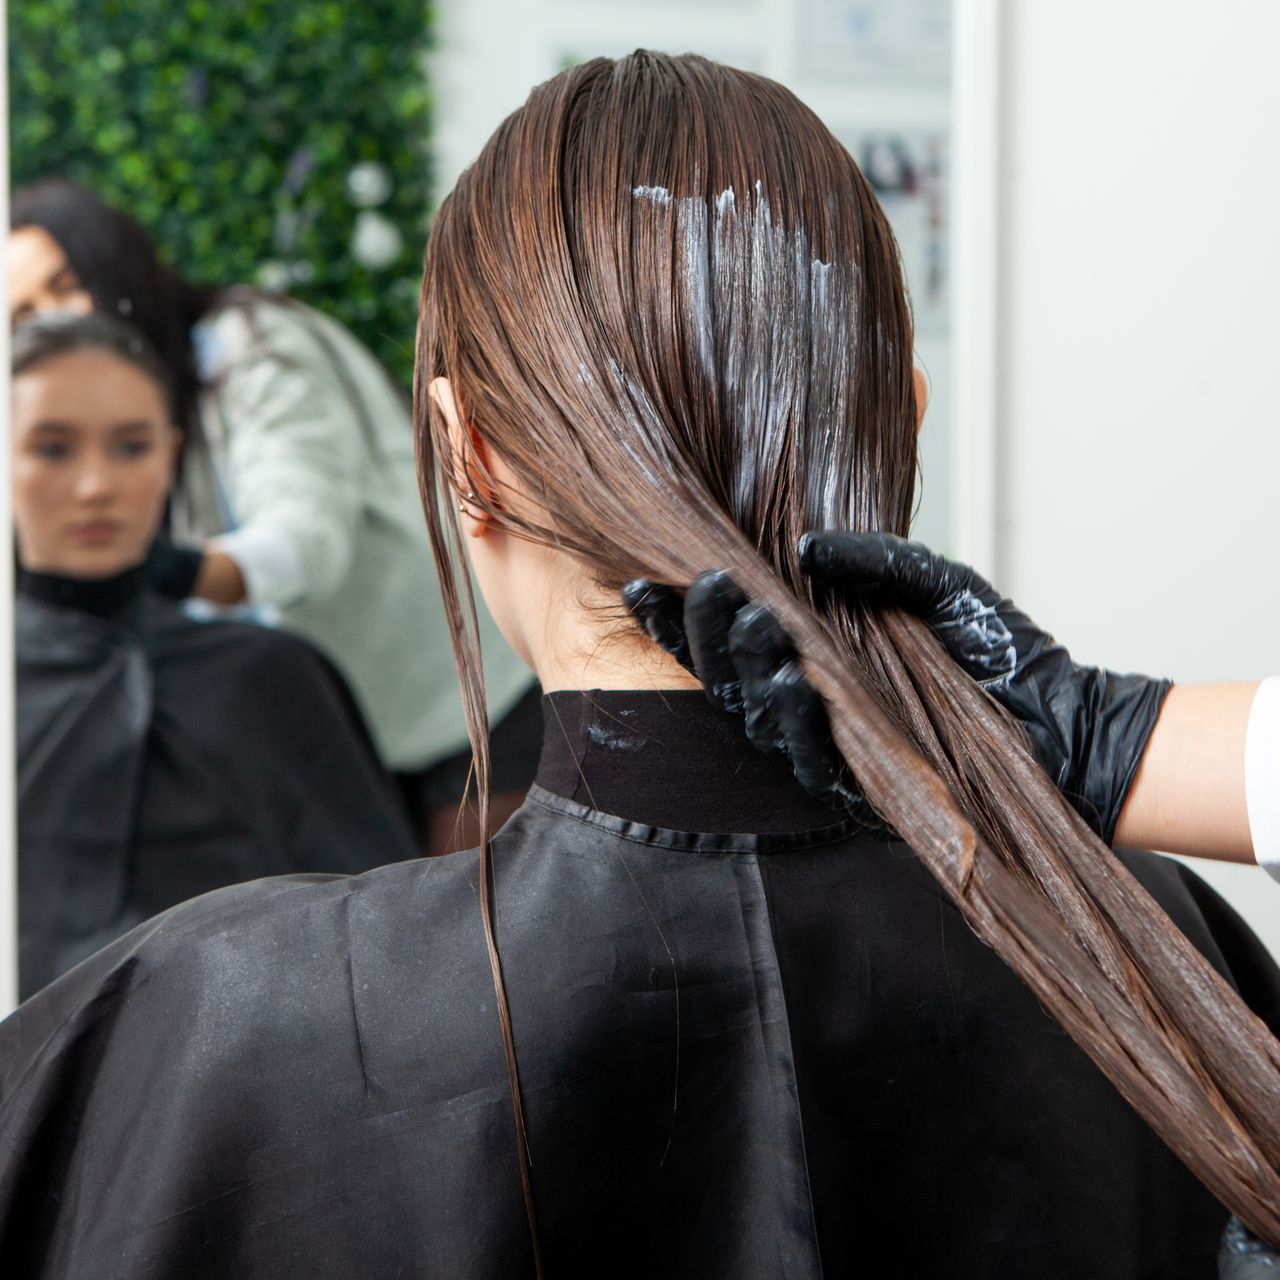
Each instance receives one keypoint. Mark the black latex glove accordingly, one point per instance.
(748, 665)
(171, 570)
(1088, 727)
(1244, 1257)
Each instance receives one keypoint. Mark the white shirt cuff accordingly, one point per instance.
(1262, 775)
(268, 562)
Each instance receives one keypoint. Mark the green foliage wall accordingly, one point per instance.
(230, 129)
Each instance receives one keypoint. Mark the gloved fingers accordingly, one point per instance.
(800, 717)
(660, 610)
(758, 647)
(882, 568)
(1243, 1256)
(171, 570)
(711, 604)
(963, 610)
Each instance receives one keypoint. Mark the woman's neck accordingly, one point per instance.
(576, 650)
(608, 668)
(574, 633)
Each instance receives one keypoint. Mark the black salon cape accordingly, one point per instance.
(742, 1056)
(160, 758)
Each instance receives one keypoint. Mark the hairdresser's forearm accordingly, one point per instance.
(1189, 792)
(219, 580)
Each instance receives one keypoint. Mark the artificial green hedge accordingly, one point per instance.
(229, 129)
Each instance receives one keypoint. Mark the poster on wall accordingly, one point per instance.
(903, 42)
(908, 170)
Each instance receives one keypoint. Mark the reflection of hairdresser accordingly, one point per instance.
(304, 497)
(158, 757)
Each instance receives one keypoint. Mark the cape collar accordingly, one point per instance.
(104, 597)
(669, 759)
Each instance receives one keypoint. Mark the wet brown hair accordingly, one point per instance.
(668, 299)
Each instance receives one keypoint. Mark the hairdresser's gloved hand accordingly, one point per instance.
(747, 665)
(171, 570)
(1243, 1256)
(1088, 727)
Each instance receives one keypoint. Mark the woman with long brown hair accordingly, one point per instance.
(678, 1017)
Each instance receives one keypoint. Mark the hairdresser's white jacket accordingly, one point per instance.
(308, 483)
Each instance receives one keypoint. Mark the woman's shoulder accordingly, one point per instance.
(205, 1058)
(244, 671)
(225, 658)
(45, 633)
(239, 654)
(209, 977)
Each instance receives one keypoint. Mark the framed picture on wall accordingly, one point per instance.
(909, 170)
(874, 41)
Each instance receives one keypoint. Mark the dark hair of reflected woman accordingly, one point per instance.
(47, 337)
(666, 296)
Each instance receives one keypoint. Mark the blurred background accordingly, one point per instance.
(1081, 193)
(281, 144)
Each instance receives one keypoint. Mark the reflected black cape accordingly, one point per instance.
(160, 757)
(746, 1056)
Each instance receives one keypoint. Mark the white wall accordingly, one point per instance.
(1138, 320)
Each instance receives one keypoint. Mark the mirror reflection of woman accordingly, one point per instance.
(680, 1018)
(158, 757)
(296, 494)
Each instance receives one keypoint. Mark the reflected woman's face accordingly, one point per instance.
(40, 277)
(93, 455)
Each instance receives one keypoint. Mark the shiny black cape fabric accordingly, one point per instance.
(160, 757)
(742, 1056)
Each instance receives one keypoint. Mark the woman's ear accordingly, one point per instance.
(441, 392)
(464, 443)
(921, 380)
